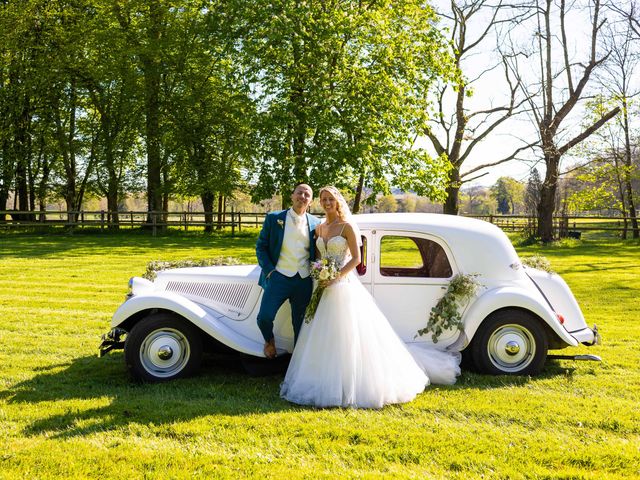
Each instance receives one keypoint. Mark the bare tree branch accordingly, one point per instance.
(586, 133)
(498, 162)
(565, 49)
(462, 181)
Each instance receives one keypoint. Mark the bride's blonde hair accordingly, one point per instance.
(342, 208)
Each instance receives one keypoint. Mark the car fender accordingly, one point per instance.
(209, 321)
(510, 297)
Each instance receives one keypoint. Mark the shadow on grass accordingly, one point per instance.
(131, 242)
(223, 387)
(471, 379)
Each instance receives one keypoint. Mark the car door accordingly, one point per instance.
(410, 273)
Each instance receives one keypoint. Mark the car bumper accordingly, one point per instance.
(112, 340)
(587, 336)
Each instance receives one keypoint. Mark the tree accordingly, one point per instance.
(598, 187)
(111, 80)
(617, 78)
(212, 117)
(476, 200)
(455, 132)
(387, 204)
(509, 195)
(606, 178)
(551, 110)
(20, 34)
(630, 12)
(342, 89)
(532, 193)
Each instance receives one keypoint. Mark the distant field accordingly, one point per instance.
(64, 413)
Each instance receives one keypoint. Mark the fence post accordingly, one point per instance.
(239, 222)
(101, 219)
(184, 217)
(233, 223)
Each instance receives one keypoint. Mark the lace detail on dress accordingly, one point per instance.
(336, 248)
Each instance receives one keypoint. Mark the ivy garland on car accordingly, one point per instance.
(538, 262)
(446, 314)
(159, 265)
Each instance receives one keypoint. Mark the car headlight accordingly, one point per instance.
(129, 288)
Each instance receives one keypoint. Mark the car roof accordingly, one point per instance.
(478, 246)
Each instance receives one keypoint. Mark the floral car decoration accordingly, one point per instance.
(506, 325)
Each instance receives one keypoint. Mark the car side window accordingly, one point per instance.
(402, 256)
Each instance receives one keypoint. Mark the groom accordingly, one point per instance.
(284, 249)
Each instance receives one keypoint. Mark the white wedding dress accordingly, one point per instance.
(350, 356)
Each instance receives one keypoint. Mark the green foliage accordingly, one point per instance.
(446, 314)
(599, 183)
(158, 265)
(509, 194)
(64, 412)
(342, 89)
(532, 193)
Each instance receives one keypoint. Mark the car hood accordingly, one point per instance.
(232, 273)
(231, 290)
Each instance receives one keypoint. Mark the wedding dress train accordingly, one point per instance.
(349, 355)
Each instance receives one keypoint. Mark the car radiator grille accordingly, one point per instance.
(234, 295)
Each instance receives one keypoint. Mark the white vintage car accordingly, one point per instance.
(515, 317)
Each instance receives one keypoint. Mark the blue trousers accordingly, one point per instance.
(279, 289)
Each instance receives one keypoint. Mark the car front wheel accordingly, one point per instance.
(161, 347)
(510, 342)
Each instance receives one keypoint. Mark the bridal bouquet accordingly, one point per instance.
(323, 270)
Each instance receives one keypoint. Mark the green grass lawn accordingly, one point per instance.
(64, 412)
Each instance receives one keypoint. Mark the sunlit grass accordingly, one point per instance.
(66, 413)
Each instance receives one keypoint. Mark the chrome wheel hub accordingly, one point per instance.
(511, 348)
(165, 352)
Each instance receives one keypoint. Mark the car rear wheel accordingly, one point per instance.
(161, 347)
(510, 342)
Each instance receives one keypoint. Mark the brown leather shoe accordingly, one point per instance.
(270, 349)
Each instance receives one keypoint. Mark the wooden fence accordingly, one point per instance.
(153, 221)
(564, 226)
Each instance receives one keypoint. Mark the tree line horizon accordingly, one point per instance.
(184, 98)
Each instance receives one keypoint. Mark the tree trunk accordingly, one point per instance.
(70, 156)
(450, 206)
(220, 211)
(21, 189)
(42, 187)
(547, 204)
(152, 81)
(112, 201)
(358, 199)
(22, 158)
(208, 199)
(7, 176)
(627, 172)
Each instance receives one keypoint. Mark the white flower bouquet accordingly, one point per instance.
(323, 270)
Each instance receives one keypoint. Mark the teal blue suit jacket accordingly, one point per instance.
(270, 241)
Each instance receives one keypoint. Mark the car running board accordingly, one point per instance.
(588, 357)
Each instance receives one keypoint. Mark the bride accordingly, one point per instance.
(348, 355)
